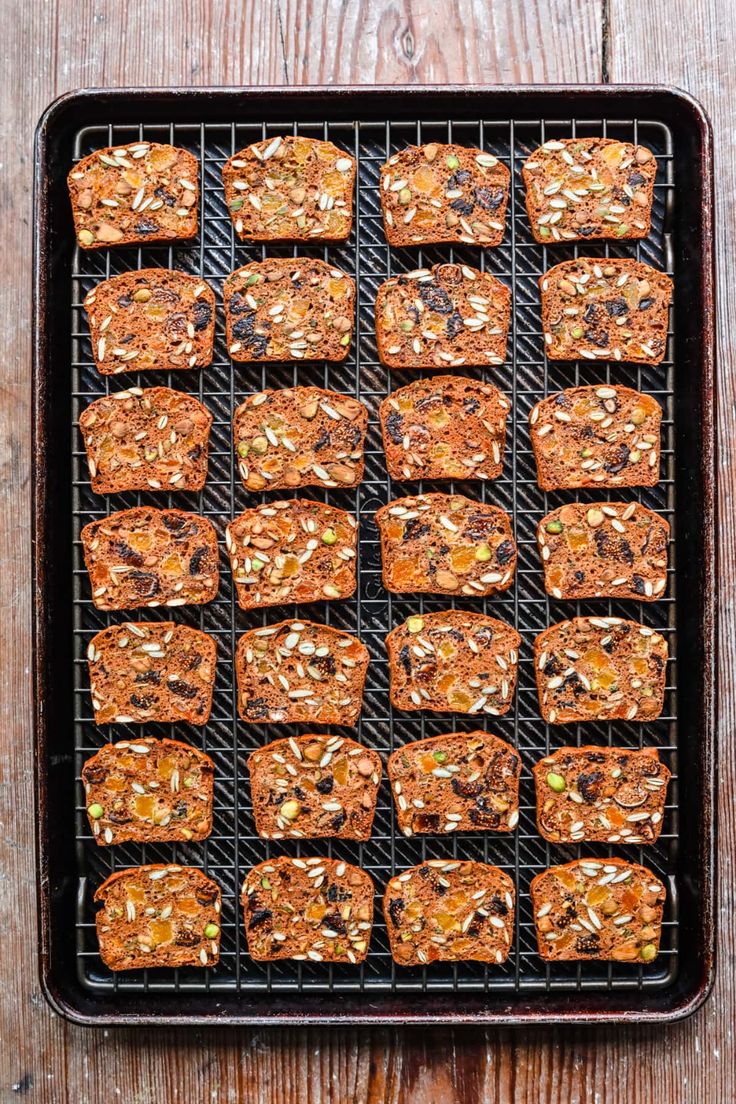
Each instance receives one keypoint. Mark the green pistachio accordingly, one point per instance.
(648, 952)
(453, 162)
(556, 782)
(329, 536)
(439, 756)
(554, 527)
(405, 197)
(95, 811)
(211, 930)
(483, 553)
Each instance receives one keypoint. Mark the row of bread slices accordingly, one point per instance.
(454, 661)
(146, 790)
(320, 910)
(293, 188)
(301, 551)
(449, 427)
(447, 316)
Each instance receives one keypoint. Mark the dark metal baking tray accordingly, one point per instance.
(370, 123)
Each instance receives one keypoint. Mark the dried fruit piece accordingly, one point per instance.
(446, 427)
(289, 308)
(444, 193)
(442, 317)
(136, 194)
(604, 909)
(598, 436)
(146, 440)
(314, 786)
(445, 910)
(290, 188)
(148, 791)
(458, 782)
(456, 662)
(151, 671)
(159, 916)
(600, 668)
(153, 319)
(601, 794)
(313, 909)
(150, 557)
(579, 189)
(608, 550)
(300, 437)
(299, 671)
(292, 551)
(445, 544)
(605, 309)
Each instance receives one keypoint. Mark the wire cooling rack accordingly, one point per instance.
(526, 376)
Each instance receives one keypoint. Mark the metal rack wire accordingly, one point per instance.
(525, 377)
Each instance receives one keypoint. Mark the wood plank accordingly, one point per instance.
(305, 41)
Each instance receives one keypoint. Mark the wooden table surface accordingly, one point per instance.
(52, 46)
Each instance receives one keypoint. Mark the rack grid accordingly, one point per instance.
(525, 377)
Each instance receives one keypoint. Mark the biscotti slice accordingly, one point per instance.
(315, 910)
(449, 911)
(146, 440)
(292, 551)
(600, 669)
(605, 309)
(300, 437)
(153, 319)
(601, 794)
(442, 317)
(444, 193)
(598, 436)
(445, 544)
(159, 916)
(148, 791)
(578, 189)
(289, 308)
(458, 782)
(605, 909)
(144, 671)
(453, 662)
(300, 672)
(149, 557)
(313, 786)
(135, 194)
(290, 189)
(446, 427)
(604, 550)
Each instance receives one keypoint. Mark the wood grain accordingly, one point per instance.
(63, 44)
